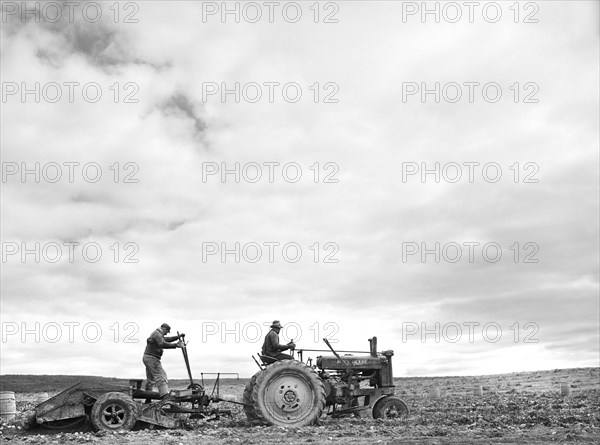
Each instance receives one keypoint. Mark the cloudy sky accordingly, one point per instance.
(351, 168)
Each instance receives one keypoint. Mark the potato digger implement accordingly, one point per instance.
(284, 393)
(124, 407)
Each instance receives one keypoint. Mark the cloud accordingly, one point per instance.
(181, 105)
(154, 211)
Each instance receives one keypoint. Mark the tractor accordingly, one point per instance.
(297, 393)
(283, 393)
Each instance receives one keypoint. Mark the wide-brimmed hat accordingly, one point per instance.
(276, 324)
(166, 327)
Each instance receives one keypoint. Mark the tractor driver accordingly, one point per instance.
(155, 374)
(271, 346)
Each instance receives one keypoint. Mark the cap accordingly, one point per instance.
(166, 327)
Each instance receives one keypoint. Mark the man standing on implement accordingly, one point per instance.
(155, 374)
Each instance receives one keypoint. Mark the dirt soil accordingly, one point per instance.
(515, 409)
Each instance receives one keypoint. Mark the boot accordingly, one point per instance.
(167, 398)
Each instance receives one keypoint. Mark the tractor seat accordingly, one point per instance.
(267, 360)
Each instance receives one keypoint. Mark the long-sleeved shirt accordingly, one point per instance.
(271, 345)
(157, 342)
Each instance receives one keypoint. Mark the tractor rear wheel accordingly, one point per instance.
(390, 407)
(288, 393)
(114, 411)
(247, 400)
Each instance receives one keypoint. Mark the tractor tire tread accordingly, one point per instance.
(247, 400)
(300, 368)
(380, 407)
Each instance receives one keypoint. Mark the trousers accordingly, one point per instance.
(155, 374)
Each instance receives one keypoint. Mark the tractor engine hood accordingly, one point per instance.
(351, 362)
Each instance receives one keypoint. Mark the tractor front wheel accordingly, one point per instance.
(288, 393)
(390, 407)
(114, 411)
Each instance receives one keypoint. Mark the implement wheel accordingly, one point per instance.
(288, 393)
(390, 407)
(114, 411)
